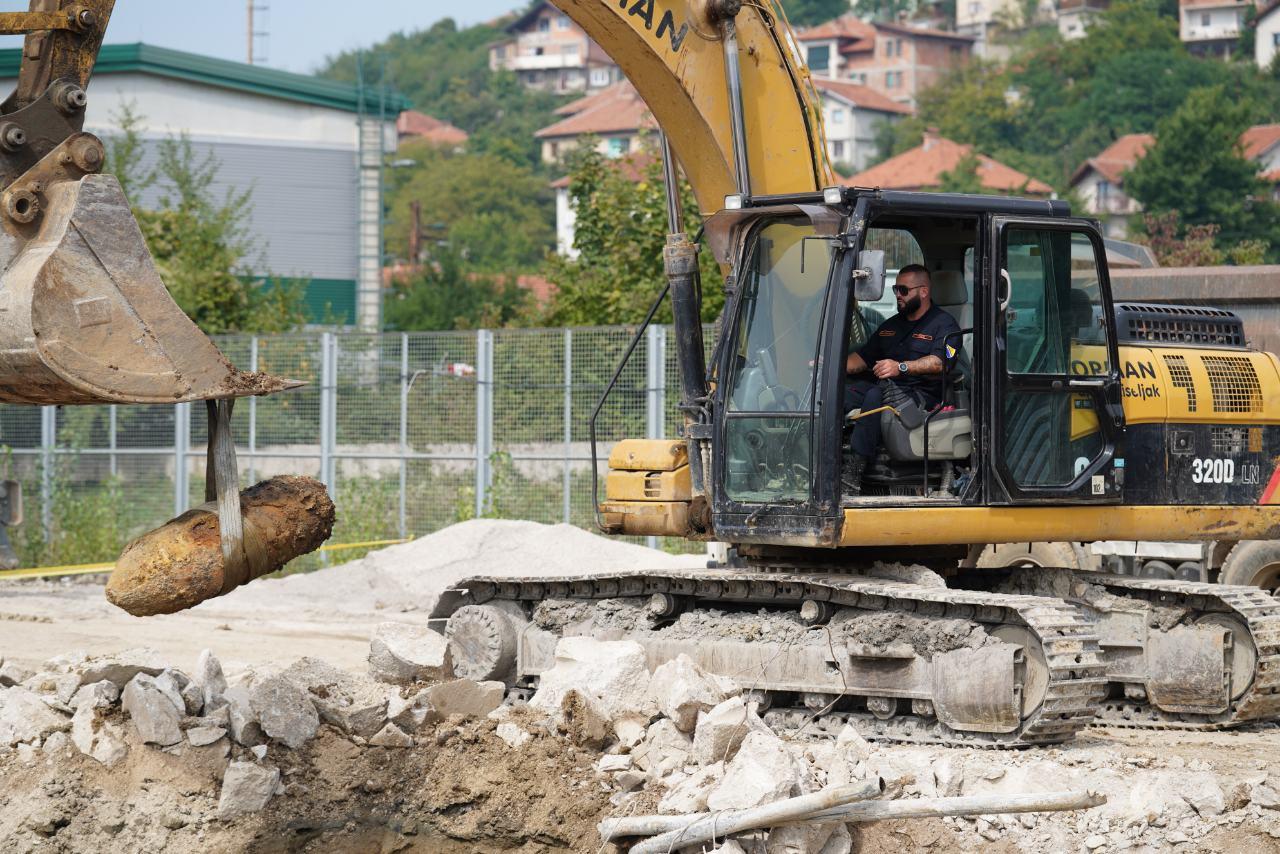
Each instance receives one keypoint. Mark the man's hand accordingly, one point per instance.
(886, 369)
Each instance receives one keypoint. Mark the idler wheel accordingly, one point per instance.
(1243, 656)
(482, 641)
(1035, 680)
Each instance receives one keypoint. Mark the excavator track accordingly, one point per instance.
(1050, 670)
(1180, 631)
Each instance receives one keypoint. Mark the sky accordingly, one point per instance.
(301, 32)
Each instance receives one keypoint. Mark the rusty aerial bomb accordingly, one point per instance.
(180, 564)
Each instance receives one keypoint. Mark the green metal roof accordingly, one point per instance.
(270, 82)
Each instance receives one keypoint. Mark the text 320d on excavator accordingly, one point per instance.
(1063, 417)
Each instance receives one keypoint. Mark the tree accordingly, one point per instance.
(806, 13)
(496, 214)
(964, 177)
(444, 71)
(200, 244)
(1196, 168)
(620, 232)
(443, 295)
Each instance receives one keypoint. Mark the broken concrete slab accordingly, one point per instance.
(209, 676)
(391, 736)
(761, 772)
(664, 749)
(720, 730)
(682, 689)
(409, 713)
(799, 839)
(614, 673)
(689, 795)
(25, 717)
(11, 674)
(512, 734)
(120, 668)
(354, 704)
(100, 695)
(613, 762)
(402, 654)
(171, 685)
(464, 697)
(246, 788)
(203, 735)
(245, 729)
(284, 710)
(153, 712)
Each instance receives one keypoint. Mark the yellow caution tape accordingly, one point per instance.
(87, 568)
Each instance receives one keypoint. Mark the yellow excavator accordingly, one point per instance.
(1065, 417)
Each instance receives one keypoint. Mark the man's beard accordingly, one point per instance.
(911, 305)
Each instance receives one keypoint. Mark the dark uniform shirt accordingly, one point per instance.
(904, 340)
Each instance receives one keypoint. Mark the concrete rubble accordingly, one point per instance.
(402, 654)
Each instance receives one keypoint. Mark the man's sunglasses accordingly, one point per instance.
(903, 290)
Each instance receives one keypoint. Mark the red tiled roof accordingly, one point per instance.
(923, 167)
(586, 102)
(847, 26)
(632, 166)
(1258, 139)
(861, 96)
(1118, 157)
(924, 32)
(414, 123)
(622, 112)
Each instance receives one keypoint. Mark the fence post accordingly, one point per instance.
(327, 422)
(253, 415)
(568, 420)
(111, 438)
(484, 416)
(404, 429)
(48, 440)
(181, 444)
(655, 386)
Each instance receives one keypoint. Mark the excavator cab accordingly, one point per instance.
(1033, 364)
(84, 315)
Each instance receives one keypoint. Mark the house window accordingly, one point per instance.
(837, 116)
(537, 51)
(569, 49)
(500, 51)
(562, 22)
(1104, 192)
(1275, 39)
(892, 79)
(974, 9)
(544, 25)
(837, 150)
(955, 51)
(618, 146)
(819, 57)
(1204, 19)
(599, 77)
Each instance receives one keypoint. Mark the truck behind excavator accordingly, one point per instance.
(1065, 417)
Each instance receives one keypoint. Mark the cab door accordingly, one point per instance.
(1055, 414)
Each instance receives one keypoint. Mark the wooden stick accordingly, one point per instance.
(713, 825)
(876, 811)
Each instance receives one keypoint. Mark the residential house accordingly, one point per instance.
(1212, 27)
(923, 167)
(615, 117)
(412, 124)
(632, 167)
(853, 114)
(1074, 16)
(548, 51)
(1266, 38)
(895, 59)
(1099, 182)
(1261, 143)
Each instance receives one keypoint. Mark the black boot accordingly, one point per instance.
(851, 475)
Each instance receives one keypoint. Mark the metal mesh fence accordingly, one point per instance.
(411, 432)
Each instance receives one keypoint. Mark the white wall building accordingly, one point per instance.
(310, 149)
(1212, 27)
(1266, 43)
(852, 115)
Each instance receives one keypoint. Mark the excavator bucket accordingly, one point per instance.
(84, 316)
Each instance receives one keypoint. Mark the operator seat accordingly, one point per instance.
(951, 430)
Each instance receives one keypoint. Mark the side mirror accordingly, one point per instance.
(868, 278)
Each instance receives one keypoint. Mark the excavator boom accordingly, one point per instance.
(672, 51)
